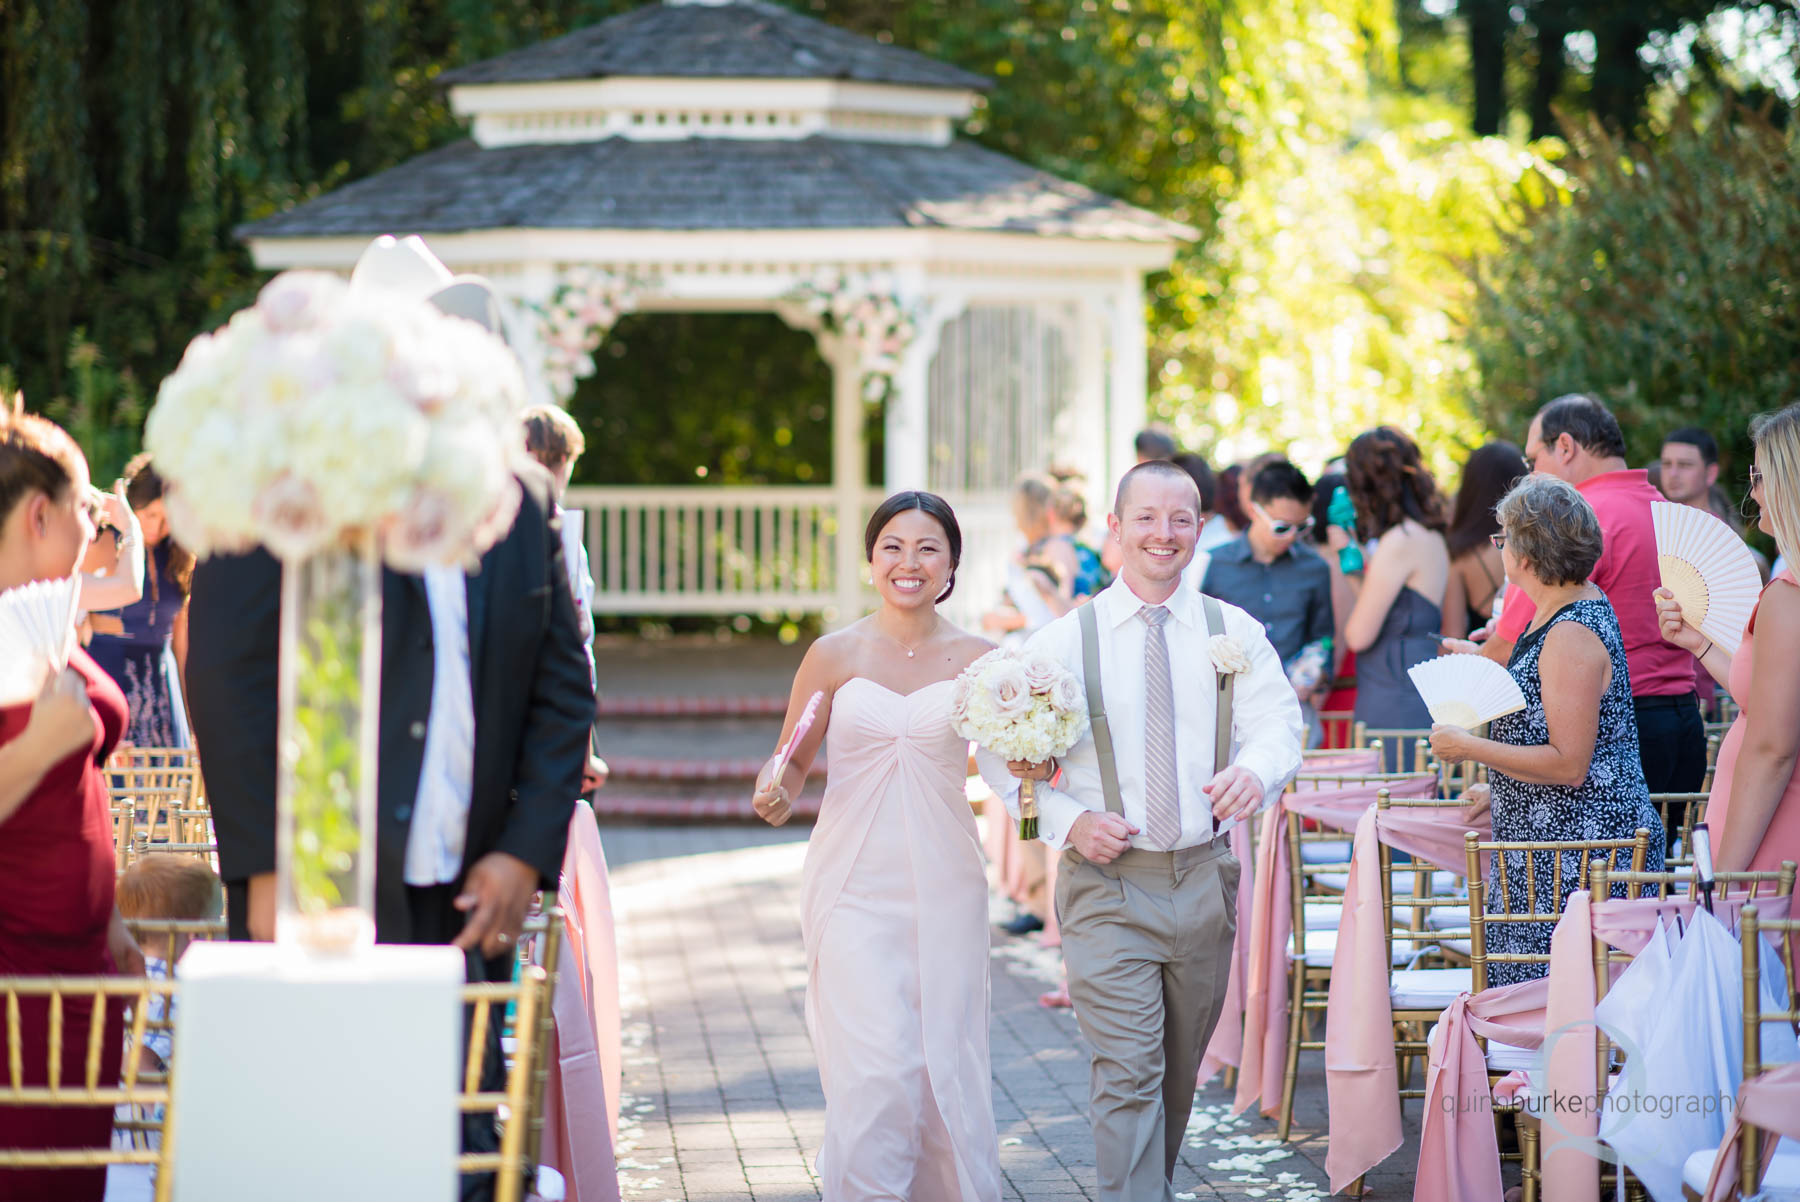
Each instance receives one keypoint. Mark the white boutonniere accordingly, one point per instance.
(1228, 655)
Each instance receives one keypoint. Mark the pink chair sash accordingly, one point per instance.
(1770, 1101)
(1262, 1061)
(1361, 1078)
(581, 1097)
(1459, 1160)
(1227, 1045)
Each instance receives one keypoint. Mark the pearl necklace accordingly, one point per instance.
(914, 648)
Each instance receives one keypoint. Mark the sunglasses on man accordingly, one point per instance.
(1281, 529)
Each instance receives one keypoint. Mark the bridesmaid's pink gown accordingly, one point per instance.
(1782, 839)
(894, 911)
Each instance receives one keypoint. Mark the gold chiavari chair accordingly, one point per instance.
(1415, 902)
(1712, 761)
(1315, 900)
(528, 996)
(1407, 749)
(1339, 727)
(98, 996)
(1584, 852)
(1679, 812)
(143, 846)
(1752, 928)
(157, 792)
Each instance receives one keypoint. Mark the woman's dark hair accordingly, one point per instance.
(36, 455)
(1489, 475)
(1204, 480)
(933, 507)
(1225, 498)
(1324, 488)
(143, 486)
(1389, 483)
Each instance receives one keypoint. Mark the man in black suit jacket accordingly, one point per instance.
(533, 706)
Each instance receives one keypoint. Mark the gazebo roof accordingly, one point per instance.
(818, 182)
(738, 39)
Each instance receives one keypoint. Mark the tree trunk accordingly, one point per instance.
(1620, 80)
(1547, 80)
(1488, 20)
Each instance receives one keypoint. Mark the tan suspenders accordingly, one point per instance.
(1096, 701)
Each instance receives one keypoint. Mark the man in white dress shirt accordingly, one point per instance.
(1147, 891)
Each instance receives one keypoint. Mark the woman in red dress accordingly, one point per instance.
(56, 856)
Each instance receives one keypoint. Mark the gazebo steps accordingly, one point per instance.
(742, 769)
(749, 706)
(621, 802)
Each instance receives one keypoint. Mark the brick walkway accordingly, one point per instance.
(721, 1095)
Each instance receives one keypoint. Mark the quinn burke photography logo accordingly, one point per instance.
(1625, 1100)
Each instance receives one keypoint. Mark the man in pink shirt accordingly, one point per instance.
(1576, 438)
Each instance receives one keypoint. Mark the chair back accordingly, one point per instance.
(1544, 899)
(76, 1009)
(1752, 928)
(1679, 812)
(526, 999)
(1408, 889)
(1404, 748)
(1339, 727)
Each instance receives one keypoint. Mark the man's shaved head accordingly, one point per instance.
(1155, 468)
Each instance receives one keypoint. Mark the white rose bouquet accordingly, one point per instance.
(322, 414)
(1022, 706)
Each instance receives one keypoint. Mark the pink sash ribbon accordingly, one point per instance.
(1770, 1101)
(1361, 1077)
(1263, 1058)
(581, 1096)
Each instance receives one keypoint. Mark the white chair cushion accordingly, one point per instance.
(1323, 852)
(1321, 946)
(1783, 1176)
(1323, 915)
(1447, 918)
(1443, 884)
(1428, 988)
(1503, 1057)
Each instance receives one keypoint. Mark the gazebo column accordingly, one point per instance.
(1127, 405)
(849, 472)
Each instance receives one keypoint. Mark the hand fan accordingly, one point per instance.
(800, 731)
(37, 635)
(1708, 568)
(1466, 690)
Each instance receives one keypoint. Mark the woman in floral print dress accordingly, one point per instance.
(1566, 766)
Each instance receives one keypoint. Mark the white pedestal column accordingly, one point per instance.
(301, 1079)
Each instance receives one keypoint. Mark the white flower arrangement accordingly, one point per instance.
(1228, 655)
(323, 414)
(871, 314)
(583, 311)
(1023, 706)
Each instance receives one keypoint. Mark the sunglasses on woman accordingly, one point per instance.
(1499, 541)
(1281, 529)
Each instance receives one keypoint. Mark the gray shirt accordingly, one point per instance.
(1291, 597)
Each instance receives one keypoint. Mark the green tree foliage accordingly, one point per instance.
(136, 134)
(1665, 281)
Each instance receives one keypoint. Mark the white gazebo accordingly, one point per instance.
(737, 156)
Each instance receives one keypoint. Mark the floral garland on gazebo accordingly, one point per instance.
(577, 319)
(861, 308)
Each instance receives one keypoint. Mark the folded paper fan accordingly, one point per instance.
(1709, 569)
(37, 635)
(1466, 690)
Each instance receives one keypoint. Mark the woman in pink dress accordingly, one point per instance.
(1754, 810)
(893, 895)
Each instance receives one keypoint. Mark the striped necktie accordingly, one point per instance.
(1162, 805)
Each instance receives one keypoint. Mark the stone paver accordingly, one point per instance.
(721, 1094)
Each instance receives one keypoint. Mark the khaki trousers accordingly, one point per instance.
(1147, 942)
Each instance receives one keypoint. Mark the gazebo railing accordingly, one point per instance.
(703, 550)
